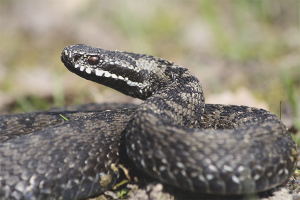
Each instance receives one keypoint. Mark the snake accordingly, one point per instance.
(173, 136)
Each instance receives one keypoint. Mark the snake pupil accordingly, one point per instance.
(93, 60)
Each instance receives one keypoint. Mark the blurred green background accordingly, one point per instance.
(243, 51)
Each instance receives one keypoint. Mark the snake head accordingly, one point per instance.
(118, 70)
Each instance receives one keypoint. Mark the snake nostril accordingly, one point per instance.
(93, 60)
(76, 58)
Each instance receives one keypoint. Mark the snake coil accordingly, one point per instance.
(173, 136)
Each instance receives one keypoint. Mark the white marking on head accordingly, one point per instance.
(114, 76)
(82, 68)
(280, 171)
(99, 72)
(107, 74)
(131, 83)
(88, 70)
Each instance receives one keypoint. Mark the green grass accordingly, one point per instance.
(250, 29)
(293, 94)
(31, 103)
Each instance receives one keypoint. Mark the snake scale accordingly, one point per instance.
(172, 136)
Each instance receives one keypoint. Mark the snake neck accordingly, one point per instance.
(180, 103)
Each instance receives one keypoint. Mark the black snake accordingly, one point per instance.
(173, 136)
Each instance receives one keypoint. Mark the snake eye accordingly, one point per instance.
(93, 60)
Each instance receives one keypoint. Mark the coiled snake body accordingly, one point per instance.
(172, 136)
